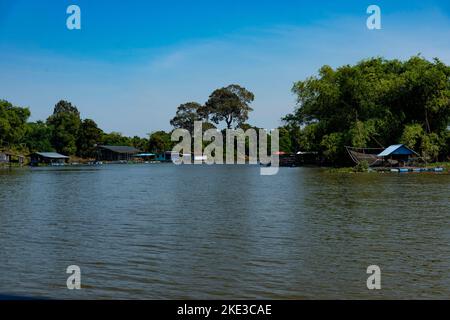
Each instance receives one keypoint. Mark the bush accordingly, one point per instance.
(363, 166)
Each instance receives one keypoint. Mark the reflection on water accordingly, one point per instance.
(165, 231)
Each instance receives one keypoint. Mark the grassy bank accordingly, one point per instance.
(355, 169)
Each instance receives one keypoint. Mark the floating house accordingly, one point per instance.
(51, 158)
(397, 154)
(10, 158)
(116, 153)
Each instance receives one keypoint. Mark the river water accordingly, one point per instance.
(161, 231)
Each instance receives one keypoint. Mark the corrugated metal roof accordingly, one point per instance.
(52, 155)
(396, 149)
(120, 149)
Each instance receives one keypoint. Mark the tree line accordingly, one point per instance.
(372, 104)
(65, 132)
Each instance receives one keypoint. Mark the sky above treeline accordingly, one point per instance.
(133, 62)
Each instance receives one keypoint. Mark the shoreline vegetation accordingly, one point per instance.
(372, 104)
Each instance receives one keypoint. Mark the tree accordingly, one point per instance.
(65, 123)
(375, 103)
(160, 141)
(186, 114)
(38, 137)
(139, 143)
(89, 136)
(412, 136)
(116, 139)
(13, 124)
(229, 104)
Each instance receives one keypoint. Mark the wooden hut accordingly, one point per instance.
(397, 155)
(7, 157)
(50, 158)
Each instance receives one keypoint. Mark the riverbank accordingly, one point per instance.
(358, 169)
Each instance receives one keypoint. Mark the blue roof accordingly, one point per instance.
(396, 149)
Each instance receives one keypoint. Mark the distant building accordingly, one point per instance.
(170, 156)
(4, 157)
(116, 153)
(9, 157)
(51, 158)
(164, 156)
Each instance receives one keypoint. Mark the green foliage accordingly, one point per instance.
(65, 123)
(230, 104)
(64, 132)
(186, 114)
(431, 146)
(13, 124)
(285, 140)
(375, 103)
(89, 136)
(116, 139)
(412, 136)
(331, 144)
(139, 143)
(363, 166)
(38, 137)
(160, 141)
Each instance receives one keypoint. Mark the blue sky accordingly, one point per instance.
(134, 62)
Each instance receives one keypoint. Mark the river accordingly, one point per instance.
(160, 231)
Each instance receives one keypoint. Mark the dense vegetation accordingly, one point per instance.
(374, 103)
(64, 131)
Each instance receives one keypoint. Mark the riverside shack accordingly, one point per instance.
(397, 154)
(51, 158)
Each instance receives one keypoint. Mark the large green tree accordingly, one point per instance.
(13, 124)
(116, 139)
(187, 114)
(373, 104)
(38, 137)
(160, 141)
(65, 122)
(230, 104)
(89, 136)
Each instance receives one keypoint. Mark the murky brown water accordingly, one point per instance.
(164, 231)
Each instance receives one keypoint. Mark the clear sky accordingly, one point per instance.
(133, 62)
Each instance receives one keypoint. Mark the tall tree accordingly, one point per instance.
(159, 141)
(13, 124)
(116, 139)
(186, 114)
(89, 136)
(230, 104)
(38, 137)
(140, 143)
(65, 123)
(375, 103)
